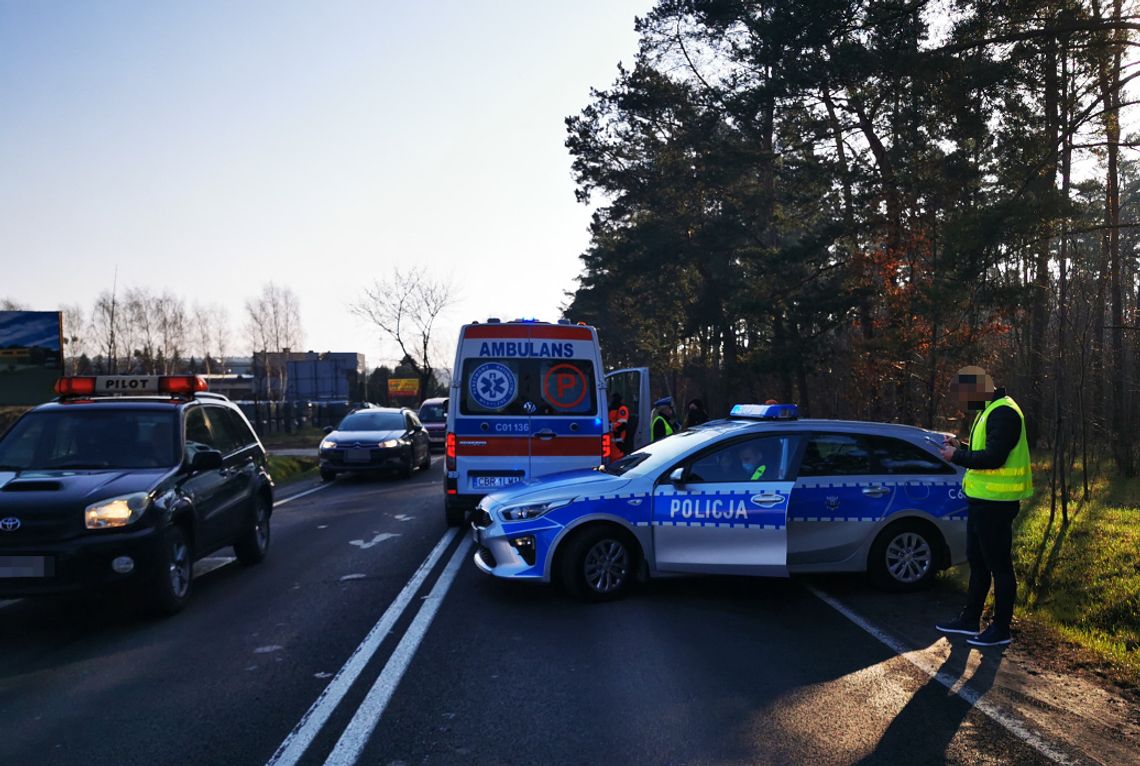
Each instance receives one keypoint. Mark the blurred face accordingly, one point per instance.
(749, 459)
(972, 387)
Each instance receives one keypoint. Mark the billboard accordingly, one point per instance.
(404, 387)
(31, 356)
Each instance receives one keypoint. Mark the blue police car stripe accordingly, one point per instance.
(472, 425)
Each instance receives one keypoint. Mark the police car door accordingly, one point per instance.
(633, 386)
(725, 510)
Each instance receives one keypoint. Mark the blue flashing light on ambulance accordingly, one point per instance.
(527, 399)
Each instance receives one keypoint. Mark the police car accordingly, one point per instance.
(759, 493)
(126, 481)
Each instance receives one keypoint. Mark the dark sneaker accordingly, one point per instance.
(960, 624)
(994, 635)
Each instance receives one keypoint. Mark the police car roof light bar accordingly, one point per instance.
(765, 411)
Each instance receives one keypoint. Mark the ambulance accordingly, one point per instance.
(528, 399)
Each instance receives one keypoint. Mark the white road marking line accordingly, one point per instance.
(356, 735)
(9, 603)
(299, 495)
(211, 563)
(318, 714)
(374, 541)
(1010, 723)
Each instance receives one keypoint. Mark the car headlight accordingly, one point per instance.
(116, 511)
(328, 444)
(390, 443)
(532, 510)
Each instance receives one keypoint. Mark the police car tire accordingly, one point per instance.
(877, 564)
(253, 545)
(572, 562)
(164, 598)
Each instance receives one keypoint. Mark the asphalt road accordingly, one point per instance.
(368, 636)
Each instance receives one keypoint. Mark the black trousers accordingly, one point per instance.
(989, 549)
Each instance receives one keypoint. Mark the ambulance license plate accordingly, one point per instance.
(493, 482)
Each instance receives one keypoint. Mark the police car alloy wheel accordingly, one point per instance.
(904, 557)
(598, 565)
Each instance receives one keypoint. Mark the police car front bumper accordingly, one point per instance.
(517, 553)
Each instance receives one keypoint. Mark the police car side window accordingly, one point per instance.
(836, 455)
(765, 458)
(895, 456)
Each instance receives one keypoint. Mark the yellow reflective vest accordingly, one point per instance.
(653, 426)
(1014, 480)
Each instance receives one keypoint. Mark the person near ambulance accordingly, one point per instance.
(619, 426)
(663, 423)
(695, 414)
(998, 478)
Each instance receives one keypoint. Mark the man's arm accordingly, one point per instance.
(1003, 429)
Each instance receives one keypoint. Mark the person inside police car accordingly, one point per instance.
(998, 478)
(752, 462)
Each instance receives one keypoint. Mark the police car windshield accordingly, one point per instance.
(373, 421)
(92, 439)
(660, 455)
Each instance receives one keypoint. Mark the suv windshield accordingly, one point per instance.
(373, 421)
(433, 413)
(90, 439)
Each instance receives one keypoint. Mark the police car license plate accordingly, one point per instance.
(493, 482)
(358, 455)
(25, 566)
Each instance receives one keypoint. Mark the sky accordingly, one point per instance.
(207, 148)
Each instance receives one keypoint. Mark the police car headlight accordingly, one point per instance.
(390, 443)
(532, 511)
(116, 511)
(328, 444)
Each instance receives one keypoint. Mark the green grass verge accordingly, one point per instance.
(1083, 578)
(286, 470)
(305, 437)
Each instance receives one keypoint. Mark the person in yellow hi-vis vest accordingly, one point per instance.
(998, 478)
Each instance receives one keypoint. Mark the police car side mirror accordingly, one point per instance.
(676, 476)
(206, 460)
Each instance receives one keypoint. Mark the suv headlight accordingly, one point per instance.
(328, 444)
(116, 511)
(532, 510)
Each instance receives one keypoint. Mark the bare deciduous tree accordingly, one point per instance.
(210, 333)
(273, 324)
(405, 308)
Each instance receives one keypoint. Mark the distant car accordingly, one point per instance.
(433, 414)
(374, 439)
(759, 493)
(126, 481)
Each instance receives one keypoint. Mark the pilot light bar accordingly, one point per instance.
(117, 385)
(765, 411)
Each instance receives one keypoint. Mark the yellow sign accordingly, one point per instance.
(404, 387)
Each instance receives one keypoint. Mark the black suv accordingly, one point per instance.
(127, 481)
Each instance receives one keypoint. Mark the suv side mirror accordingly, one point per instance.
(676, 476)
(206, 460)
(328, 430)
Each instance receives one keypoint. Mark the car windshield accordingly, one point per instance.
(92, 439)
(372, 421)
(433, 413)
(661, 454)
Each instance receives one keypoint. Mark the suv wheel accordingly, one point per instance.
(327, 475)
(904, 557)
(253, 544)
(170, 589)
